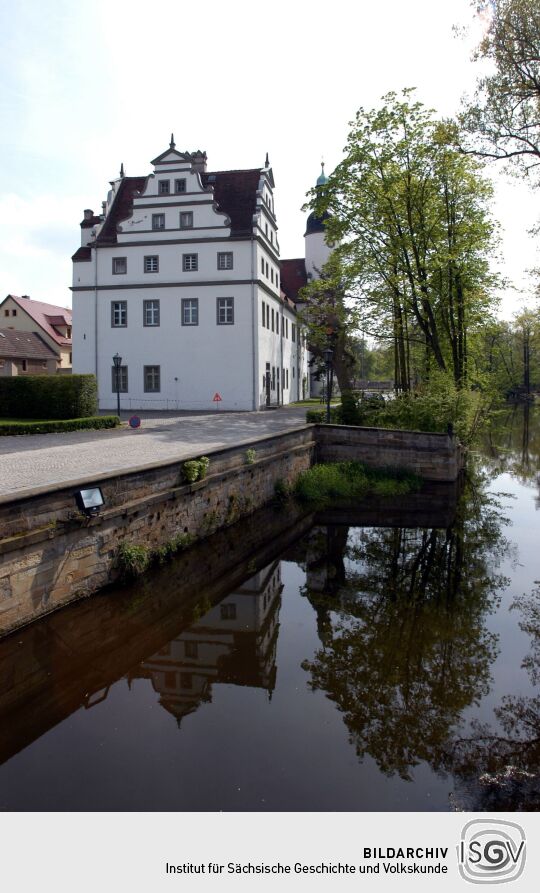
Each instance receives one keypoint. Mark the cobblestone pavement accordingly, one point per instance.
(33, 461)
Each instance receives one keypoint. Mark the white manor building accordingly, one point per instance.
(181, 276)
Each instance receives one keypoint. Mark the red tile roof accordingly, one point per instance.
(121, 208)
(24, 345)
(83, 253)
(43, 314)
(293, 276)
(235, 193)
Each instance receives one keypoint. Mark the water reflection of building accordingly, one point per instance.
(234, 642)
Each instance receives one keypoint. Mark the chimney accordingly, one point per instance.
(88, 213)
(26, 296)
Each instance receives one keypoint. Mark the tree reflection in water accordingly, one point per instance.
(401, 618)
(499, 767)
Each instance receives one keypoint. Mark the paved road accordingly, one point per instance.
(27, 462)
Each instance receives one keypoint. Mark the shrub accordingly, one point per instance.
(282, 491)
(204, 462)
(191, 470)
(59, 425)
(318, 416)
(48, 396)
(350, 414)
(250, 456)
(132, 561)
(195, 469)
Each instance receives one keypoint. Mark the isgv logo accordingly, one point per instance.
(491, 851)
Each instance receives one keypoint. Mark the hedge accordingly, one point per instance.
(48, 396)
(58, 425)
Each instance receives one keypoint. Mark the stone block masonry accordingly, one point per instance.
(51, 555)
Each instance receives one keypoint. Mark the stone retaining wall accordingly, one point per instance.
(51, 555)
(434, 457)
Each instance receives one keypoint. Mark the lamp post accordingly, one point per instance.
(117, 360)
(328, 355)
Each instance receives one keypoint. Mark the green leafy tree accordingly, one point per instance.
(409, 213)
(504, 116)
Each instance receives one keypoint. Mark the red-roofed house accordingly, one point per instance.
(180, 276)
(51, 323)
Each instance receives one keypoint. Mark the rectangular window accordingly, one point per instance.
(158, 221)
(273, 378)
(179, 186)
(287, 371)
(272, 319)
(151, 263)
(293, 332)
(119, 265)
(191, 650)
(186, 680)
(164, 187)
(228, 612)
(120, 380)
(225, 260)
(262, 265)
(272, 274)
(283, 326)
(190, 311)
(263, 314)
(119, 314)
(225, 311)
(151, 313)
(190, 262)
(186, 219)
(268, 316)
(286, 328)
(152, 379)
(24, 365)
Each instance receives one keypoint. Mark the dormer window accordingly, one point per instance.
(164, 187)
(179, 186)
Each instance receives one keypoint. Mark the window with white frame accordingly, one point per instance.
(190, 311)
(119, 380)
(186, 219)
(151, 312)
(119, 265)
(225, 260)
(179, 186)
(164, 187)
(119, 314)
(151, 263)
(152, 379)
(225, 311)
(190, 262)
(158, 221)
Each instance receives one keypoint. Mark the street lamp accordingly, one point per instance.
(328, 354)
(117, 360)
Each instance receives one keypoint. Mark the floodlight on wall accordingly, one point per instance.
(90, 500)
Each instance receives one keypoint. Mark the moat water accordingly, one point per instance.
(381, 659)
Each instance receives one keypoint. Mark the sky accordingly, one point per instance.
(86, 86)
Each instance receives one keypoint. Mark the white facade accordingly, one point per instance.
(180, 276)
